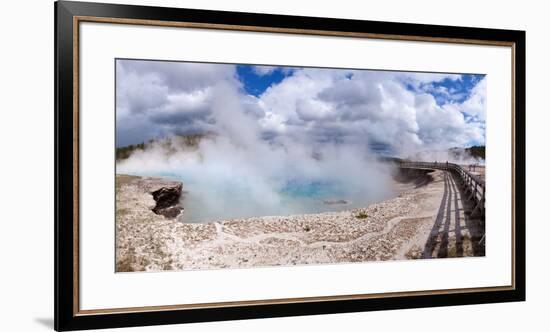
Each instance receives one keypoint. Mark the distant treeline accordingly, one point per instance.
(477, 151)
(178, 140)
(125, 151)
(193, 141)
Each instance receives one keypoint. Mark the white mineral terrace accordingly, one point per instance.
(426, 220)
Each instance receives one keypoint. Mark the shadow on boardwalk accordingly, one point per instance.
(455, 233)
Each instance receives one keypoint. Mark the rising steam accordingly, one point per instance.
(234, 172)
(308, 139)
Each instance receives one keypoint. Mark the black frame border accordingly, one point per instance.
(65, 319)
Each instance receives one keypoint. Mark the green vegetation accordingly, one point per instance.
(477, 151)
(171, 144)
(361, 215)
(474, 151)
(125, 151)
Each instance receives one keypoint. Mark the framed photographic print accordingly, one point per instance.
(220, 165)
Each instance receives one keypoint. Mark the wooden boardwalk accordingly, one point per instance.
(461, 214)
(470, 184)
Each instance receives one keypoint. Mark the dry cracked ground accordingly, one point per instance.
(426, 220)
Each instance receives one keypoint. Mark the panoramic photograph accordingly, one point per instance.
(240, 166)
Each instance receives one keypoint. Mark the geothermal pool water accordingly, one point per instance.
(238, 200)
(242, 203)
(208, 199)
(220, 186)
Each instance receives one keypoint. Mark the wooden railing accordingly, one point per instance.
(472, 184)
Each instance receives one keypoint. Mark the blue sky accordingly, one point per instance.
(255, 84)
(445, 91)
(450, 90)
(396, 112)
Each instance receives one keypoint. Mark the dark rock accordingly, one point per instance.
(170, 212)
(336, 202)
(167, 196)
(168, 200)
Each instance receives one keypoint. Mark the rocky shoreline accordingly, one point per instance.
(150, 239)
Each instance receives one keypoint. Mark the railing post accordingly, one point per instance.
(481, 204)
(474, 193)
